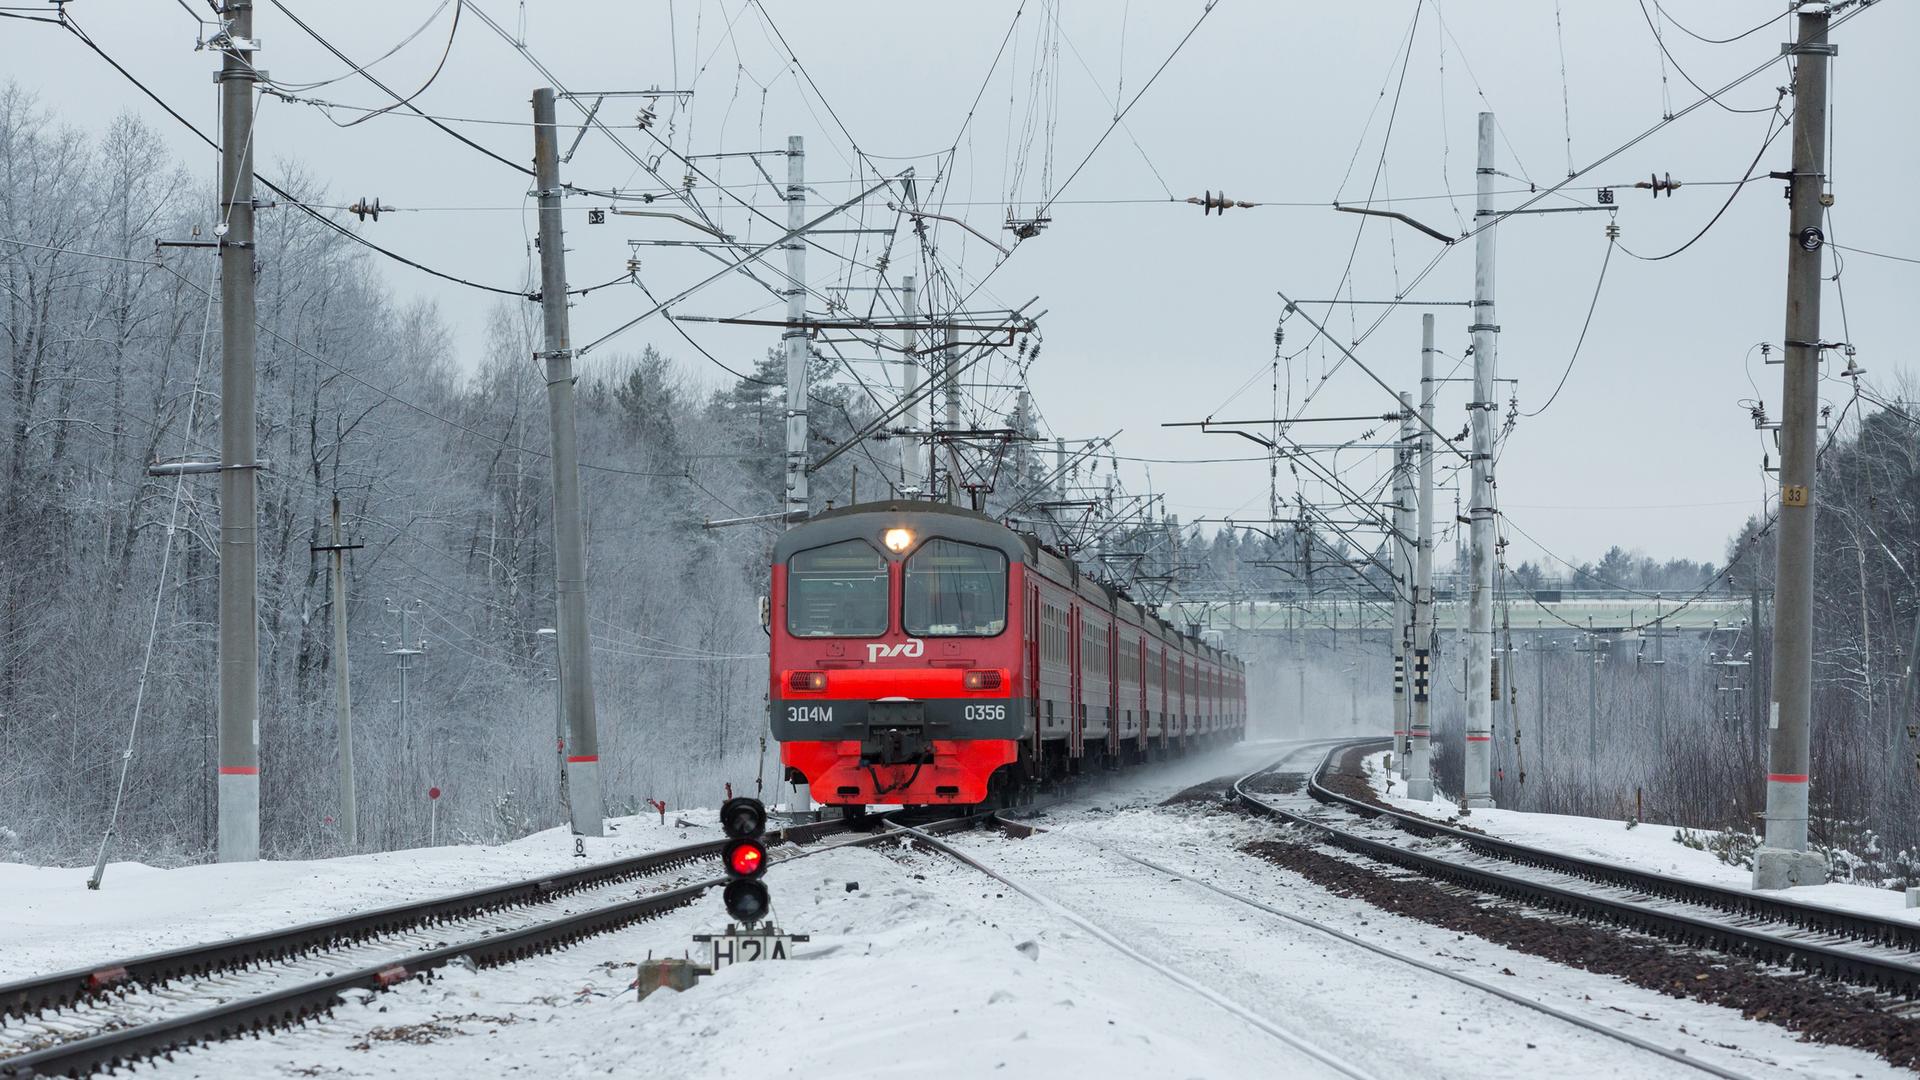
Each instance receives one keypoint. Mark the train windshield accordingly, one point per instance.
(839, 590)
(955, 590)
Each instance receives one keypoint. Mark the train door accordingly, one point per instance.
(1140, 664)
(1113, 689)
(1036, 632)
(1076, 683)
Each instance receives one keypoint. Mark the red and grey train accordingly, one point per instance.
(928, 655)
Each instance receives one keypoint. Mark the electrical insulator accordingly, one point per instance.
(364, 207)
(1211, 201)
(1659, 184)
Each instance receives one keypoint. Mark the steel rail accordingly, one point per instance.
(1699, 931)
(1318, 1053)
(28, 997)
(1903, 935)
(1463, 978)
(297, 1005)
(1021, 830)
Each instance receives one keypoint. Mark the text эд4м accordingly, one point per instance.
(745, 860)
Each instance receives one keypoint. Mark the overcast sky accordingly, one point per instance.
(1155, 312)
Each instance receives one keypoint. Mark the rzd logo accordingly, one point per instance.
(910, 648)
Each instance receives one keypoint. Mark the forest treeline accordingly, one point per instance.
(439, 461)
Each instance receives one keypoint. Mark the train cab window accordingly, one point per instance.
(955, 590)
(839, 590)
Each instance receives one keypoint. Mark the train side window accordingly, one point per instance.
(955, 590)
(839, 590)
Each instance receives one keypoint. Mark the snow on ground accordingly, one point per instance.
(926, 969)
(918, 967)
(50, 921)
(1644, 847)
(1389, 1018)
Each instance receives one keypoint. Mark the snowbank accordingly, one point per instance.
(1645, 847)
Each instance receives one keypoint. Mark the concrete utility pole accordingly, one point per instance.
(1402, 581)
(911, 471)
(342, 700)
(794, 338)
(239, 782)
(1478, 643)
(950, 387)
(1593, 700)
(1022, 417)
(1659, 678)
(1783, 860)
(569, 539)
(403, 655)
(1060, 476)
(1540, 696)
(1419, 727)
(559, 714)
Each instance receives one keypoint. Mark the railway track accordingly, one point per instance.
(1608, 1031)
(1862, 950)
(78, 1022)
(1312, 1049)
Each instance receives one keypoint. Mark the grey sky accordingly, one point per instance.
(1156, 313)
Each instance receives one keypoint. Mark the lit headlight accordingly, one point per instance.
(898, 540)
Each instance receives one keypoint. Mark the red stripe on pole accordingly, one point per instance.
(1787, 777)
(239, 770)
(1479, 738)
(579, 759)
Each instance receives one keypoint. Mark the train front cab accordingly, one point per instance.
(897, 638)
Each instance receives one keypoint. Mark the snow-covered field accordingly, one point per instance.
(920, 967)
(50, 920)
(1643, 847)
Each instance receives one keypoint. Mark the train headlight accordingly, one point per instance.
(898, 540)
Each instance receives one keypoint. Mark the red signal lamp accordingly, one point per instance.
(746, 858)
(810, 681)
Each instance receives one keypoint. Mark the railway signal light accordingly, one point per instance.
(745, 859)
